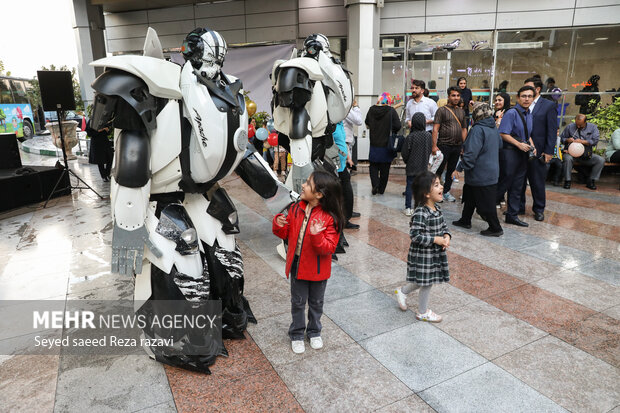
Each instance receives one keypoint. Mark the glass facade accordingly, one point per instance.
(569, 56)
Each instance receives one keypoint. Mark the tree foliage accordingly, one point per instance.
(607, 118)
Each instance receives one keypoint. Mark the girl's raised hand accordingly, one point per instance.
(281, 220)
(316, 226)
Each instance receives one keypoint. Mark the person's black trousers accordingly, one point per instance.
(481, 198)
(302, 291)
(379, 174)
(451, 154)
(347, 193)
(105, 169)
(554, 170)
(536, 175)
(515, 165)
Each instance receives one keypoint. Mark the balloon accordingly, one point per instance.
(262, 134)
(270, 126)
(251, 131)
(576, 149)
(251, 107)
(273, 139)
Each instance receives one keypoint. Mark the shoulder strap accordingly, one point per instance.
(527, 133)
(457, 119)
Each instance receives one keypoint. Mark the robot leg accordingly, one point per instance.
(226, 282)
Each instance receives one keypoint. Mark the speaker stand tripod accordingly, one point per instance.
(65, 168)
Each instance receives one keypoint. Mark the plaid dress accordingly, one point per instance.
(427, 262)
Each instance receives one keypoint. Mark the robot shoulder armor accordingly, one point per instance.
(161, 77)
(308, 64)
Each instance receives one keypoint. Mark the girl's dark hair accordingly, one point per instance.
(331, 201)
(506, 98)
(422, 185)
(461, 78)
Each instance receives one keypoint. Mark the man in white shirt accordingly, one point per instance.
(422, 104)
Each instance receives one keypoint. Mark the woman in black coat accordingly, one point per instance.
(381, 120)
(101, 152)
(466, 96)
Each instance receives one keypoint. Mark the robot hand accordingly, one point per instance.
(128, 250)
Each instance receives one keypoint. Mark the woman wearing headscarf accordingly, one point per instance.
(381, 120)
(466, 96)
(480, 161)
(501, 104)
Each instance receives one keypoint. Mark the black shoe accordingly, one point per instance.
(374, 191)
(591, 185)
(489, 233)
(356, 215)
(350, 225)
(106, 179)
(339, 249)
(345, 243)
(567, 185)
(334, 257)
(516, 221)
(539, 216)
(461, 224)
(404, 193)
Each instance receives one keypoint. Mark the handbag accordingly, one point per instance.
(395, 142)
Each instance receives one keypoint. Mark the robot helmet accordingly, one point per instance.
(314, 44)
(205, 49)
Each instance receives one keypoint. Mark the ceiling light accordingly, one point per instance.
(601, 38)
(588, 44)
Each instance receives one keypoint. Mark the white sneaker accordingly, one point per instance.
(316, 342)
(448, 197)
(429, 316)
(298, 346)
(455, 180)
(402, 299)
(408, 212)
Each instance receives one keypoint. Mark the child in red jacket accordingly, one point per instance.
(312, 227)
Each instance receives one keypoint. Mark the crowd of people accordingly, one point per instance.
(499, 149)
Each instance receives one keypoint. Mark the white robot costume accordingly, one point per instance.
(312, 93)
(178, 131)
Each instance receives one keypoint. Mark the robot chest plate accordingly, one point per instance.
(218, 137)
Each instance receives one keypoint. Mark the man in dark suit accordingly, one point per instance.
(544, 135)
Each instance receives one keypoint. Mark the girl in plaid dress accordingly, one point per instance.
(427, 263)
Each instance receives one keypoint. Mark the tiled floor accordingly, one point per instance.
(531, 319)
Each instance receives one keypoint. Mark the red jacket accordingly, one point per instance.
(315, 260)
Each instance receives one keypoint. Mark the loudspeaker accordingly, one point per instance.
(9, 152)
(56, 89)
(29, 188)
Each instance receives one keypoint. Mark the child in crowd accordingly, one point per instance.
(312, 227)
(427, 263)
(416, 152)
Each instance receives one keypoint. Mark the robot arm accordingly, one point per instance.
(257, 175)
(130, 190)
(124, 101)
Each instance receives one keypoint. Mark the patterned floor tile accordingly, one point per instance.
(421, 355)
(570, 377)
(346, 379)
(488, 330)
(487, 389)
